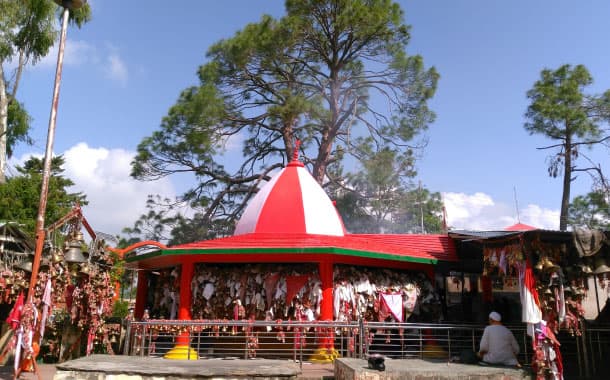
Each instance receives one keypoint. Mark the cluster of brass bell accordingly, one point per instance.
(545, 264)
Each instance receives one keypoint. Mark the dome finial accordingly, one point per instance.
(295, 153)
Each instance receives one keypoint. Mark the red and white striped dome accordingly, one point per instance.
(292, 202)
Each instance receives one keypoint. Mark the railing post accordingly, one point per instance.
(474, 345)
(126, 339)
(144, 333)
(363, 342)
(449, 343)
(585, 351)
(525, 345)
(421, 344)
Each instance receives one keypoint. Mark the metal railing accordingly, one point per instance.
(302, 341)
(584, 356)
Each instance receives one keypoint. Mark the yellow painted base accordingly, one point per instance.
(434, 351)
(181, 352)
(324, 355)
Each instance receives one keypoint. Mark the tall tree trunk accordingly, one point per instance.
(319, 167)
(567, 181)
(3, 125)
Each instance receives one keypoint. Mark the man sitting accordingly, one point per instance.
(498, 344)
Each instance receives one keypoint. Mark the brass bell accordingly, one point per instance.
(548, 291)
(113, 339)
(586, 268)
(74, 270)
(44, 264)
(601, 266)
(540, 264)
(548, 265)
(85, 271)
(9, 281)
(56, 257)
(79, 237)
(74, 254)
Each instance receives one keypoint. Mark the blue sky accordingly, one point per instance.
(125, 68)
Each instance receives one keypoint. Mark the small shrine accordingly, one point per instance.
(550, 280)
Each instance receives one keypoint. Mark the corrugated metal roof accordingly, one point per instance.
(416, 248)
(439, 246)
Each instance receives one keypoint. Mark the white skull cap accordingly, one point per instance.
(495, 316)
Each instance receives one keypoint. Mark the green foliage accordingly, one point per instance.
(120, 309)
(590, 211)
(20, 195)
(26, 27)
(316, 75)
(18, 126)
(563, 112)
(28, 30)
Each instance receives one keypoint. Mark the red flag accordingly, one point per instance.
(530, 302)
(15, 316)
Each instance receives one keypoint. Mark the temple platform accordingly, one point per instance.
(108, 367)
(418, 369)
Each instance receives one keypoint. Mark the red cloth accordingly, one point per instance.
(486, 289)
(69, 298)
(15, 315)
(270, 284)
(293, 285)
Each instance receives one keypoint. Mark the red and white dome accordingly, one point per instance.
(292, 202)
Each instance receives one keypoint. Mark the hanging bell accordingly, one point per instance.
(548, 265)
(586, 268)
(113, 338)
(601, 266)
(79, 237)
(57, 256)
(85, 271)
(74, 270)
(44, 264)
(540, 264)
(548, 291)
(74, 254)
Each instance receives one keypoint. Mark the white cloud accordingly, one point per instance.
(115, 199)
(116, 69)
(80, 53)
(479, 212)
(77, 53)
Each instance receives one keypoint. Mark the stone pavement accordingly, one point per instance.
(309, 371)
(342, 369)
(422, 369)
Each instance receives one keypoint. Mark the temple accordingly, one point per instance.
(290, 252)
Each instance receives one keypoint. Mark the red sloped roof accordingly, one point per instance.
(520, 227)
(439, 246)
(419, 248)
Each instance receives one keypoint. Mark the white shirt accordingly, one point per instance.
(499, 345)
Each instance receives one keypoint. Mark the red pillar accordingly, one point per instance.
(326, 351)
(141, 294)
(181, 350)
(326, 276)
